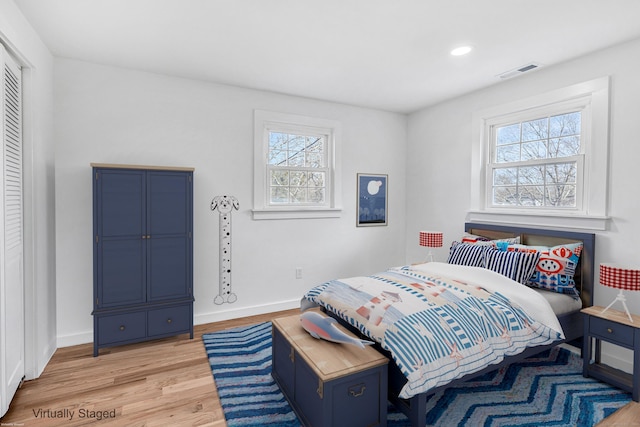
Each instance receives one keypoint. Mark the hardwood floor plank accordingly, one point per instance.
(166, 382)
(627, 416)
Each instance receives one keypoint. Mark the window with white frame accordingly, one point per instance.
(295, 161)
(543, 157)
(536, 163)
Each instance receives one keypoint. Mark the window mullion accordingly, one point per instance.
(537, 162)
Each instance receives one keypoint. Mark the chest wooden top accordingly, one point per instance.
(328, 359)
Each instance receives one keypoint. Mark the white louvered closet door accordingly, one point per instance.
(11, 240)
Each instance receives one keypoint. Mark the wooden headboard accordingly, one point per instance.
(584, 276)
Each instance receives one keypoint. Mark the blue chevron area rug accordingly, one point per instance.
(544, 390)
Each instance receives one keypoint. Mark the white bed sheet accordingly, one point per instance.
(561, 304)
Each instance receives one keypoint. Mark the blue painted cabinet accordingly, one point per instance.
(143, 253)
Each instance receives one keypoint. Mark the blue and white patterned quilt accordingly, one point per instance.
(440, 321)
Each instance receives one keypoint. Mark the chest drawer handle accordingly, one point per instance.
(169, 320)
(354, 393)
(292, 355)
(610, 330)
(122, 327)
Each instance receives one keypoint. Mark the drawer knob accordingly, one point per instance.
(354, 393)
(610, 330)
(169, 320)
(122, 327)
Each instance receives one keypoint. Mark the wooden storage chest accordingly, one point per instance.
(329, 384)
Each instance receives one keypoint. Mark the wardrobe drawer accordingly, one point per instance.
(121, 327)
(169, 320)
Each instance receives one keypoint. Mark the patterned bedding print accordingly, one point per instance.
(436, 328)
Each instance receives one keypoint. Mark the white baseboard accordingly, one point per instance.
(229, 312)
(617, 362)
(75, 339)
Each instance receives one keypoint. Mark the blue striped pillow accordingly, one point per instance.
(518, 266)
(467, 254)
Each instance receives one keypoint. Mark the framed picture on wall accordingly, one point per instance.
(372, 200)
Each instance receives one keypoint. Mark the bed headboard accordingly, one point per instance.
(584, 276)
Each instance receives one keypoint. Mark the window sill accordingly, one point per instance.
(552, 220)
(296, 213)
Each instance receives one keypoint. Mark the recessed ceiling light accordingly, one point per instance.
(462, 50)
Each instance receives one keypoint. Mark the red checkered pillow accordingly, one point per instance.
(556, 267)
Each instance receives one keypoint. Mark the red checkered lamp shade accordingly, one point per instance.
(625, 279)
(431, 239)
(619, 277)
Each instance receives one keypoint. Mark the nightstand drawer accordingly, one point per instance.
(611, 331)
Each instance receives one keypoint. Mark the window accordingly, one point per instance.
(295, 166)
(535, 163)
(544, 160)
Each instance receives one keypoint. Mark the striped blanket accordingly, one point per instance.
(440, 321)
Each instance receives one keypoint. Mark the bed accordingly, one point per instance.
(444, 323)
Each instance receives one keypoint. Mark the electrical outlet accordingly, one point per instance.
(298, 272)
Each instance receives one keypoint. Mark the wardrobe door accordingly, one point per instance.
(121, 237)
(169, 226)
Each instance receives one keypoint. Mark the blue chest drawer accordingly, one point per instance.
(329, 384)
(121, 328)
(136, 325)
(169, 321)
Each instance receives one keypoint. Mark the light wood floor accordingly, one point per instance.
(157, 383)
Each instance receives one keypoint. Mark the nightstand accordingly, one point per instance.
(613, 327)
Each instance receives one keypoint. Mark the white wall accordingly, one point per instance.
(112, 115)
(39, 216)
(439, 159)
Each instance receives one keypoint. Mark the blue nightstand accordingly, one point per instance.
(613, 327)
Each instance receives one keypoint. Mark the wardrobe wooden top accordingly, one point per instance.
(120, 166)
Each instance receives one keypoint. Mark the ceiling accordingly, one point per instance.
(385, 54)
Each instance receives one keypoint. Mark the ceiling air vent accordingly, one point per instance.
(519, 70)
